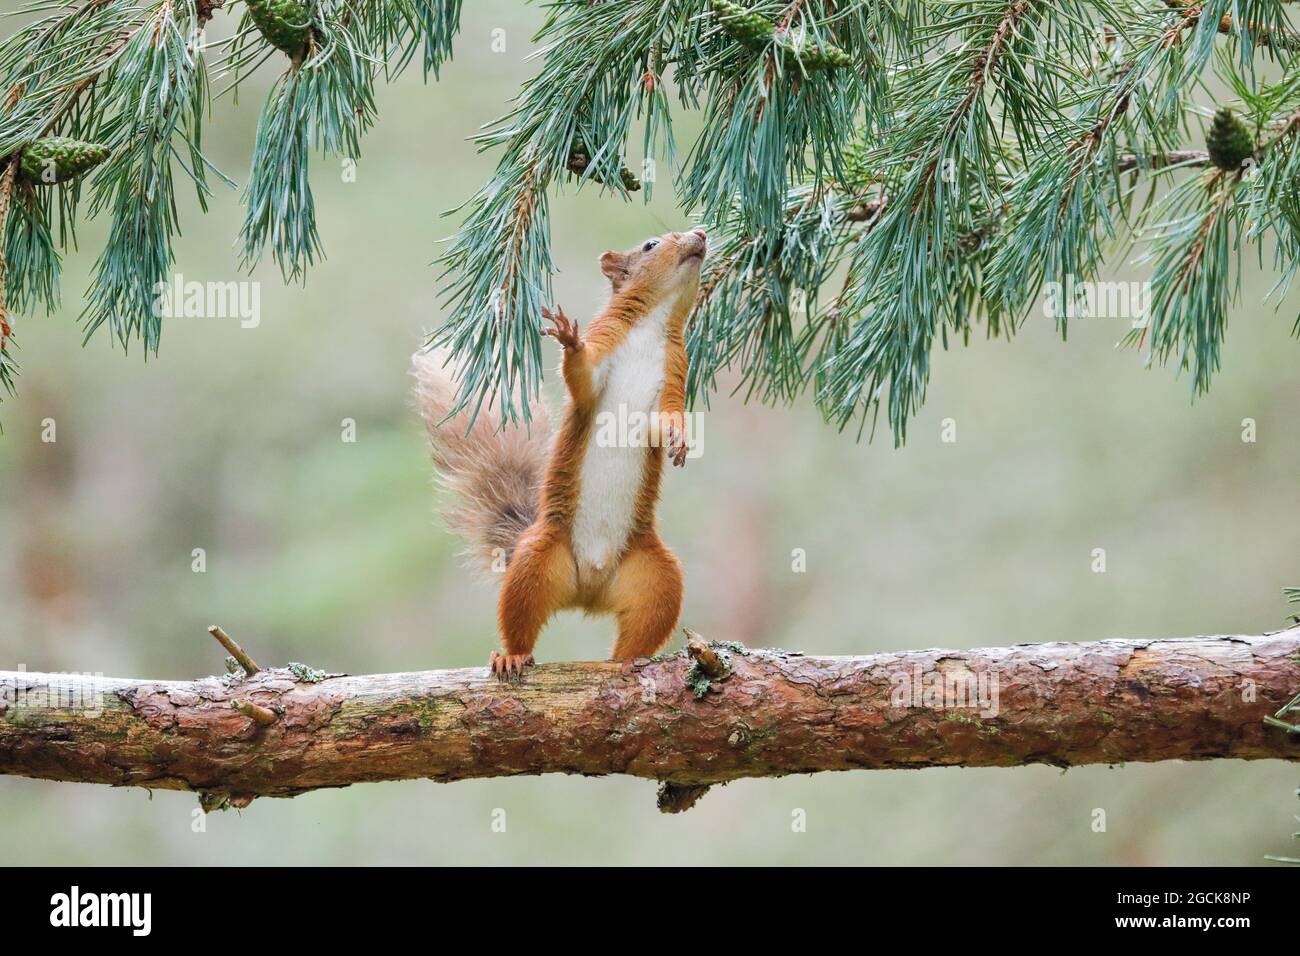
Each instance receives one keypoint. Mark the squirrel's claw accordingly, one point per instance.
(507, 666)
(677, 447)
(565, 331)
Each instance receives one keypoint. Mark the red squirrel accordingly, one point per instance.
(572, 515)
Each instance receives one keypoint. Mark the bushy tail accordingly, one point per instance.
(493, 475)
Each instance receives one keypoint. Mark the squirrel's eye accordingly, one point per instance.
(650, 245)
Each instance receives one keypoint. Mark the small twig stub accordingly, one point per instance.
(256, 712)
(235, 651)
(708, 660)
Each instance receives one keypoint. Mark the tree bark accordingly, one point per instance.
(770, 713)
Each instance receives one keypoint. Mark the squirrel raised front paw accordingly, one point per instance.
(565, 331)
(676, 440)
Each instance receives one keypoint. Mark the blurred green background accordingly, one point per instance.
(329, 552)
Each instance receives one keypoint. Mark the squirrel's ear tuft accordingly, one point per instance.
(614, 266)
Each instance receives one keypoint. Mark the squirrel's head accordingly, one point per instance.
(658, 268)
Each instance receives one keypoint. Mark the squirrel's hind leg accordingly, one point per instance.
(646, 594)
(540, 579)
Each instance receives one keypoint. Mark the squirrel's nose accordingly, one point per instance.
(700, 233)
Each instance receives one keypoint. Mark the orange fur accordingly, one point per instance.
(644, 586)
(540, 579)
(646, 594)
(491, 470)
(508, 505)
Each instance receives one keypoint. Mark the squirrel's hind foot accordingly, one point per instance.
(509, 666)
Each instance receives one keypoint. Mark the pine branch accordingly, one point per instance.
(1196, 250)
(879, 179)
(152, 102)
(7, 367)
(1056, 218)
(942, 166)
(324, 101)
(132, 74)
(727, 713)
(1257, 34)
(498, 269)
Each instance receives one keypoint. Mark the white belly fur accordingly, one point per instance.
(628, 384)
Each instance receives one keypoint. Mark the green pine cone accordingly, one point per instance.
(284, 23)
(757, 32)
(56, 159)
(812, 56)
(1228, 141)
(739, 24)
